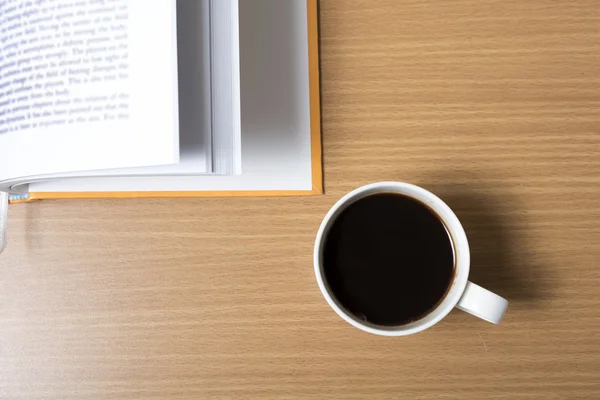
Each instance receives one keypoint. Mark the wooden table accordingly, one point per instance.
(494, 105)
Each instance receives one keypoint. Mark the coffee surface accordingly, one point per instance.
(388, 259)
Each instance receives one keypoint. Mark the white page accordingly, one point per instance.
(225, 71)
(135, 96)
(275, 103)
(195, 109)
(193, 45)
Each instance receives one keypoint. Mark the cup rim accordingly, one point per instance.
(460, 247)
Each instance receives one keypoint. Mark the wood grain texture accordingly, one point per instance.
(494, 105)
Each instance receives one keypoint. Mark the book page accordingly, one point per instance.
(87, 85)
(225, 71)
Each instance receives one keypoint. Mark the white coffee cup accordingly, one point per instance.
(462, 294)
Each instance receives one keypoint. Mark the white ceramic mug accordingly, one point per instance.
(463, 294)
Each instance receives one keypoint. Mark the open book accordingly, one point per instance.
(138, 98)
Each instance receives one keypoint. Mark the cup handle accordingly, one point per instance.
(482, 303)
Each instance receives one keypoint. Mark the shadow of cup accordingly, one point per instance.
(499, 258)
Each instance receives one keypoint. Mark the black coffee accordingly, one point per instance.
(388, 259)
